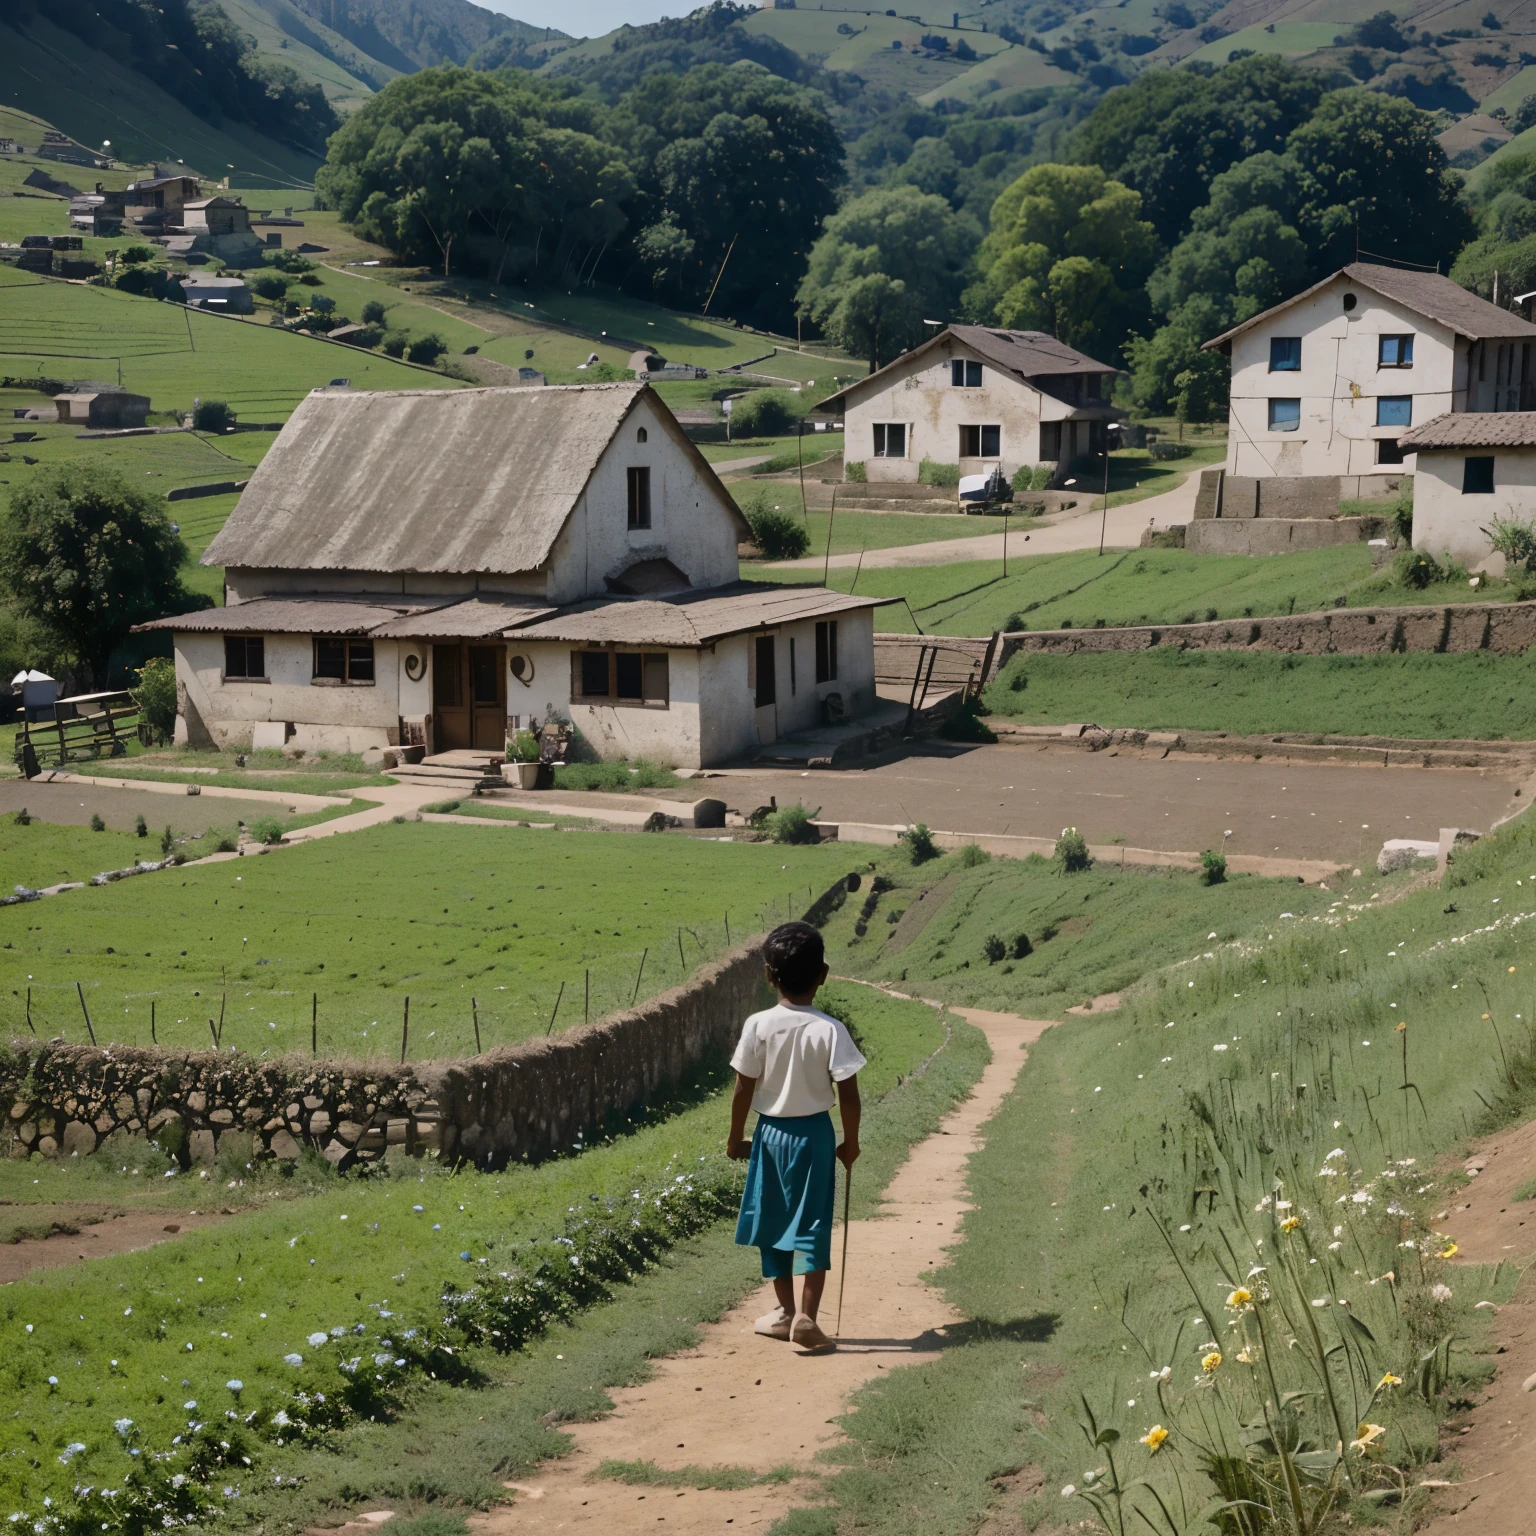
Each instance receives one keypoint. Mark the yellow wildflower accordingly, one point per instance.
(1400, 1028)
(1366, 1436)
(1290, 1223)
(1389, 1380)
(1211, 1361)
(1154, 1437)
(1449, 1251)
(1239, 1298)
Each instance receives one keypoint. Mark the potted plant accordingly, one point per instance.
(522, 765)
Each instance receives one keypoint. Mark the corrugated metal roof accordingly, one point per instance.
(1429, 293)
(694, 618)
(285, 616)
(1027, 355)
(471, 480)
(1473, 429)
(475, 619)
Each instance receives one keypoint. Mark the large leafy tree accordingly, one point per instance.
(85, 556)
(737, 170)
(1068, 253)
(886, 262)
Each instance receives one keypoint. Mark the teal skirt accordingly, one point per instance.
(788, 1204)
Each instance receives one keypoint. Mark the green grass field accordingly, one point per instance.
(370, 1257)
(1268, 1069)
(45, 854)
(451, 914)
(1480, 696)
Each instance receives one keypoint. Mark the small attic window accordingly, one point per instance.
(1349, 302)
(640, 436)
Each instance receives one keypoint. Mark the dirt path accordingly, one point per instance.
(742, 1401)
(100, 1234)
(1491, 1446)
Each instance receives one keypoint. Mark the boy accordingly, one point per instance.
(791, 1063)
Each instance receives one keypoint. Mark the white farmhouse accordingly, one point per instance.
(977, 398)
(1473, 467)
(439, 568)
(1326, 385)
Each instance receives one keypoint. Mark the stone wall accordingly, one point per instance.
(1278, 535)
(528, 1100)
(1505, 628)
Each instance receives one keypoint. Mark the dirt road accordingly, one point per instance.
(743, 1401)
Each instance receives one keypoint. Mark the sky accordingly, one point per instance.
(589, 18)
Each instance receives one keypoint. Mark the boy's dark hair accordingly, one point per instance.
(794, 955)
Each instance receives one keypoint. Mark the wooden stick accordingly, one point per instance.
(212, 1031)
(474, 1008)
(680, 960)
(558, 996)
(405, 1031)
(314, 1023)
(638, 974)
(842, 1277)
(30, 1024)
(586, 1002)
(154, 1039)
(86, 1011)
(727, 930)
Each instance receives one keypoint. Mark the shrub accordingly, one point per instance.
(290, 261)
(373, 313)
(1515, 540)
(966, 724)
(395, 343)
(993, 948)
(1167, 450)
(1033, 477)
(266, 829)
(1213, 867)
(1418, 568)
(134, 253)
(761, 413)
(777, 535)
(1014, 624)
(212, 415)
(523, 748)
(167, 843)
(919, 843)
(270, 285)
(23, 817)
(931, 472)
(1072, 851)
(97, 824)
(1021, 948)
(792, 824)
(156, 696)
(855, 474)
(972, 855)
(426, 349)
(311, 279)
(140, 827)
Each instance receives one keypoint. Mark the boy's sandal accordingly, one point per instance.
(805, 1333)
(774, 1325)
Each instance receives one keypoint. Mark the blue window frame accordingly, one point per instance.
(1395, 352)
(1285, 354)
(1284, 415)
(1394, 410)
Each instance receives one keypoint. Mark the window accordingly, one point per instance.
(826, 651)
(964, 375)
(639, 498)
(245, 656)
(1395, 352)
(1477, 476)
(767, 689)
(890, 440)
(621, 677)
(1285, 354)
(1093, 386)
(642, 435)
(981, 442)
(1349, 302)
(1284, 415)
(343, 661)
(1050, 440)
(1394, 410)
(1388, 451)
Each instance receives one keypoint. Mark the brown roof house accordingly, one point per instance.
(443, 567)
(1472, 467)
(980, 399)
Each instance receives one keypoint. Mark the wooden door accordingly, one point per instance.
(487, 669)
(450, 700)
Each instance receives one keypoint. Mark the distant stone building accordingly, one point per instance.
(228, 295)
(59, 146)
(105, 410)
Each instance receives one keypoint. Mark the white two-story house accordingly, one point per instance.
(444, 567)
(979, 399)
(1326, 385)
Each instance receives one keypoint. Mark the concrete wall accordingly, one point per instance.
(918, 391)
(1338, 384)
(1506, 628)
(347, 717)
(1447, 522)
(1276, 535)
(693, 520)
(530, 1100)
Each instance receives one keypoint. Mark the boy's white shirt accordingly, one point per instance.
(796, 1054)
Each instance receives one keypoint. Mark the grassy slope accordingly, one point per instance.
(1124, 1114)
(1479, 696)
(306, 44)
(296, 922)
(92, 96)
(1108, 922)
(42, 854)
(245, 1295)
